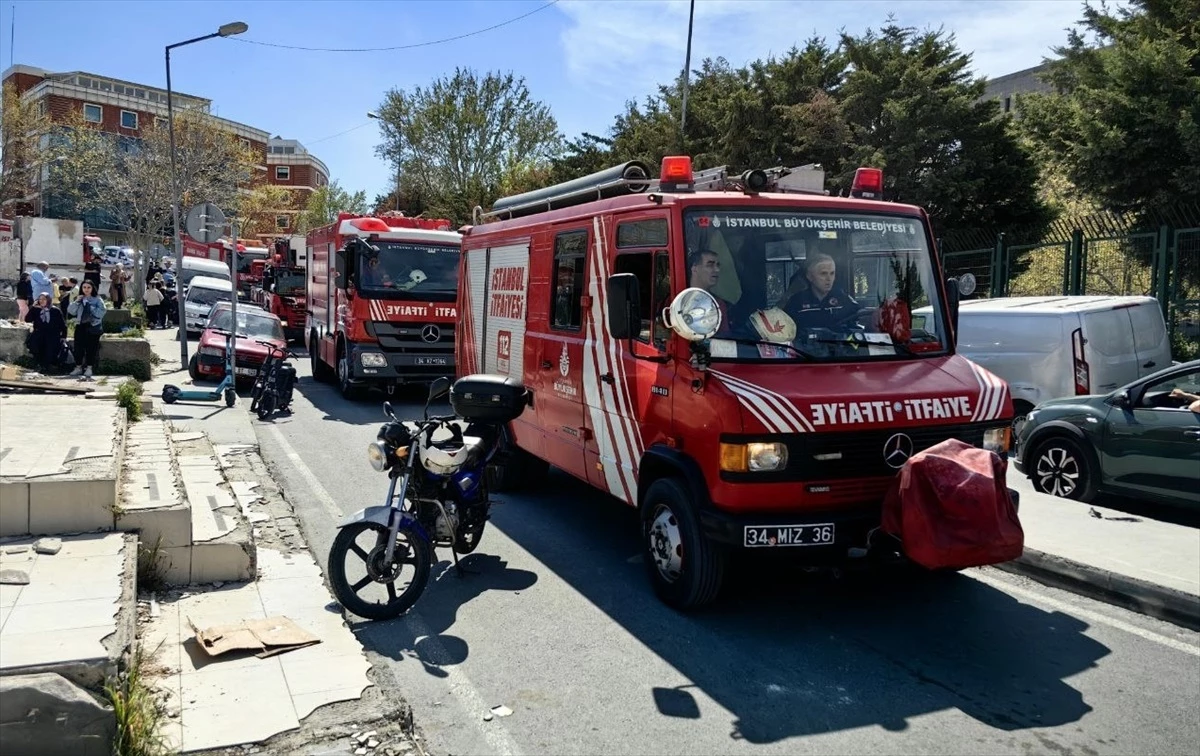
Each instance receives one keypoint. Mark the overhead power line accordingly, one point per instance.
(398, 47)
(307, 142)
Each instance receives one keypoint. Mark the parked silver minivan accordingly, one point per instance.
(1051, 347)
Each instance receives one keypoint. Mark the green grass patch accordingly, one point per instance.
(138, 712)
(129, 396)
(135, 368)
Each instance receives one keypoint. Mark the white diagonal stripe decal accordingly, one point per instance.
(758, 406)
(795, 421)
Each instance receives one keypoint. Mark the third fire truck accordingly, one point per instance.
(280, 288)
(382, 300)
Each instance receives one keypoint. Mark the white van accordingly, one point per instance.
(202, 294)
(202, 266)
(1051, 347)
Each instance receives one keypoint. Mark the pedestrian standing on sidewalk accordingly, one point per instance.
(49, 332)
(67, 290)
(41, 281)
(154, 299)
(116, 286)
(91, 271)
(24, 295)
(89, 309)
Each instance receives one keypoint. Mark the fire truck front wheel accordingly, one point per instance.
(345, 374)
(685, 567)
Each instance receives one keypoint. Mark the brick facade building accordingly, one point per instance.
(290, 164)
(127, 109)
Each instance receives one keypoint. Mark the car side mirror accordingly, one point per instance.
(624, 306)
(1121, 399)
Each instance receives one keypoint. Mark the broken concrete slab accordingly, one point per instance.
(14, 576)
(48, 714)
(48, 546)
(265, 637)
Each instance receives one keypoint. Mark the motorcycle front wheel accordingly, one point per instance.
(266, 405)
(356, 566)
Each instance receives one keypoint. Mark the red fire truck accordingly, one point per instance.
(280, 288)
(381, 300)
(734, 355)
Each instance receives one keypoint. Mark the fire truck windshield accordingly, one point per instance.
(815, 285)
(402, 267)
(289, 284)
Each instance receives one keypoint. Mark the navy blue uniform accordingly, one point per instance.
(836, 309)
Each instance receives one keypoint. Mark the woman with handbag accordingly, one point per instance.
(49, 331)
(90, 310)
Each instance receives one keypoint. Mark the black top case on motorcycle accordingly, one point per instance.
(484, 398)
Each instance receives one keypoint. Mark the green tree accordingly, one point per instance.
(80, 157)
(258, 210)
(1124, 119)
(327, 201)
(466, 140)
(914, 108)
(22, 126)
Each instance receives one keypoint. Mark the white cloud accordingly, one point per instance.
(625, 48)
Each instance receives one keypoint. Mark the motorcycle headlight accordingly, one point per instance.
(372, 360)
(378, 454)
(997, 439)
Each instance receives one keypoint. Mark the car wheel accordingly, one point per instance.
(194, 368)
(1021, 410)
(685, 567)
(1059, 466)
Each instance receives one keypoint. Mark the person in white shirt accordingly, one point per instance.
(154, 300)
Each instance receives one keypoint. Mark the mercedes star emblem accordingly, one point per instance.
(897, 450)
(431, 333)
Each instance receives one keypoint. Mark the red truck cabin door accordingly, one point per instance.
(557, 348)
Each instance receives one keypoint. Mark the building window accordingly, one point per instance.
(283, 173)
(129, 119)
(282, 222)
(646, 233)
(570, 249)
(245, 144)
(1007, 104)
(161, 123)
(289, 150)
(93, 113)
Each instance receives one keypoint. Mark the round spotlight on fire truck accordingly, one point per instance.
(755, 181)
(694, 314)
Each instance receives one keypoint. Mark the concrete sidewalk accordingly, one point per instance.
(1141, 564)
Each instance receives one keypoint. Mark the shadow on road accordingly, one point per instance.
(422, 634)
(792, 653)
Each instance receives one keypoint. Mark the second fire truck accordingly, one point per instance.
(382, 301)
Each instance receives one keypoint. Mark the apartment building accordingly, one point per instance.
(289, 164)
(127, 109)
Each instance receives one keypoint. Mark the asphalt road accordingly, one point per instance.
(561, 626)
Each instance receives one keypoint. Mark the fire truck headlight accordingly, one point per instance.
(755, 457)
(372, 360)
(997, 439)
(377, 455)
(765, 457)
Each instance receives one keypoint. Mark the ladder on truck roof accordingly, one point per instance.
(633, 178)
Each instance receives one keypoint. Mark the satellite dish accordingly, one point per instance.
(966, 284)
(694, 314)
(205, 222)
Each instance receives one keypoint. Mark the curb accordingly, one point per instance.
(1136, 595)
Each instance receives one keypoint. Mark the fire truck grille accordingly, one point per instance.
(423, 338)
(854, 454)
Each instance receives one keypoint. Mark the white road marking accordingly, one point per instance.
(473, 704)
(1087, 614)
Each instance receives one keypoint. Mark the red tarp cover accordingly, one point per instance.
(949, 507)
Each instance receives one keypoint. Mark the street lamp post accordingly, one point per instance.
(227, 30)
(376, 117)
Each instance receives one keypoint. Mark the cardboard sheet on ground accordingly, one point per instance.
(266, 637)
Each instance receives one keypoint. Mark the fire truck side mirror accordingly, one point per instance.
(624, 306)
(953, 296)
(339, 265)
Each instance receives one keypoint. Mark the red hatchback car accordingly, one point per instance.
(208, 363)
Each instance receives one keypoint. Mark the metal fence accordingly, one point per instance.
(1092, 257)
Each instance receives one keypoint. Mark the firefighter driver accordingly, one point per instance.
(822, 304)
(374, 276)
(704, 270)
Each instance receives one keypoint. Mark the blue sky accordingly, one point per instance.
(583, 57)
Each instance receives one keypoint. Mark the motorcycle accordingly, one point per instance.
(274, 382)
(437, 494)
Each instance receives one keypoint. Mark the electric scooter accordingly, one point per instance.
(226, 388)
